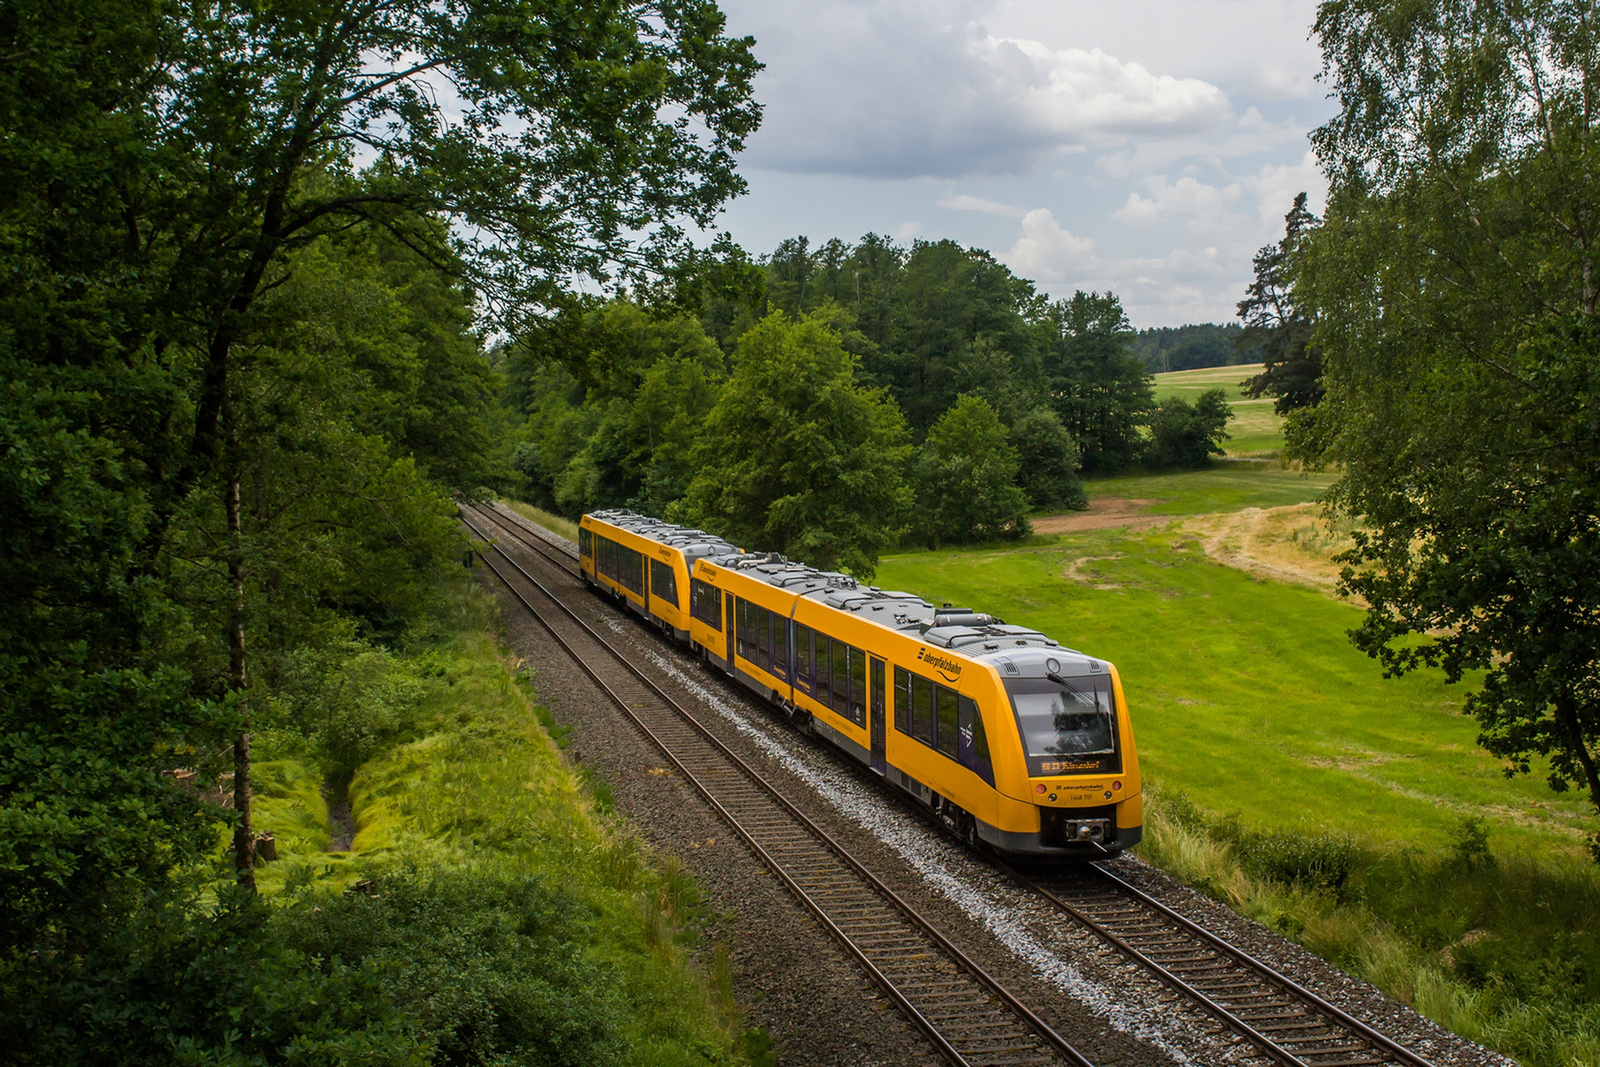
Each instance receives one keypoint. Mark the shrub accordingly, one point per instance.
(1316, 861)
(487, 968)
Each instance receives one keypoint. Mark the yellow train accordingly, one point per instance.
(1010, 738)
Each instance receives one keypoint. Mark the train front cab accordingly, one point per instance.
(1059, 791)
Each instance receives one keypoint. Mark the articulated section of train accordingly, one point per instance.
(1009, 737)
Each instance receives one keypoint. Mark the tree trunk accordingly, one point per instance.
(244, 838)
(1567, 713)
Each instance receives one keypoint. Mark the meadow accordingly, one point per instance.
(1288, 777)
(1257, 431)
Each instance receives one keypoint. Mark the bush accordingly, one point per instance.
(1187, 435)
(486, 968)
(1316, 861)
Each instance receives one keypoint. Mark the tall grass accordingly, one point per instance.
(550, 521)
(1502, 950)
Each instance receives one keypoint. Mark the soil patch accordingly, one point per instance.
(1103, 513)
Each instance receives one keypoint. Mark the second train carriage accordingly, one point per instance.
(1011, 738)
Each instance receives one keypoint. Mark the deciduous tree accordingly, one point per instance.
(797, 456)
(966, 479)
(1454, 287)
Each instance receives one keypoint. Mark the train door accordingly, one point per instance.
(875, 701)
(728, 629)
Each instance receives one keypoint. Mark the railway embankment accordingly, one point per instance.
(486, 877)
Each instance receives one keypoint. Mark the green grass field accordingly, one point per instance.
(1224, 486)
(1256, 429)
(1247, 695)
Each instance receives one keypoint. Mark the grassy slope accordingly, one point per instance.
(480, 783)
(1246, 693)
(565, 527)
(1256, 429)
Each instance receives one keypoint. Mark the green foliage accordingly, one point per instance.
(965, 476)
(484, 967)
(1504, 953)
(1096, 384)
(1456, 300)
(1188, 435)
(797, 456)
(1164, 349)
(182, 983)
(1278, 329)
(1048, 460)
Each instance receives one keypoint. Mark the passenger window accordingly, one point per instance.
(974, 748)
(858, 686)
(922, 709)
(945, 734)
(841, 677)
(902, 700)
(819, 688)
(764, 637)
(585, 548)
(802, 652)
(663, 583)
(780, 644)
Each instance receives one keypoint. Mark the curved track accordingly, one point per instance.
(1287, 1023)
(969, 1016)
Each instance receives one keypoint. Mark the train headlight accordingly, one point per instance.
(1116, 785)
(1039, 788)
(1054, 666)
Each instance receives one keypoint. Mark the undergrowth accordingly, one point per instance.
(1502, 949)
(514, 917)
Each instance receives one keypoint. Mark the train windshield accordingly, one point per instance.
(1072, 717)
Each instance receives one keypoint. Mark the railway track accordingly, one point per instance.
(968, 1016)
(1285, 1022)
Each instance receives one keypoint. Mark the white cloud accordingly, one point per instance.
(1045, 252)
(1275, 187)
(978, 203)
(905, 88)
(907, 230)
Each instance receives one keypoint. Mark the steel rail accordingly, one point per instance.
(1380, 1041)
(1029, 1020)
(520, 528)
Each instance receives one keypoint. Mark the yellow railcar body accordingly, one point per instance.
(946, 706)
(657, 588)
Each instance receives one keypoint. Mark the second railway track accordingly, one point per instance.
(968, 1016)
(1283, 1021)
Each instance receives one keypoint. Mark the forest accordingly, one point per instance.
(958, 399)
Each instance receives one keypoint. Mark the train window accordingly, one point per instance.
(858, 687)
(841, 677)
(944, 734)
(973, 749)
(764, 637)
(819, 688)
(746, 633)
(1072, 717)
(922, 709)
(630, 567)
(802, 652)
(902, 700)
(663, 583)
(585, 543)
(705, 603)
(780, 645)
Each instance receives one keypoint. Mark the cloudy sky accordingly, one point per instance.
(1146, 146)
